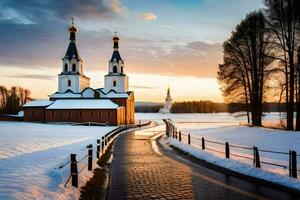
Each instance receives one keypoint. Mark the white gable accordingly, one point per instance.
(88, 93)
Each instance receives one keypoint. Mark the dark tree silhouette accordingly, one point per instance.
(248, 54)
(13, 99)
(283, 19)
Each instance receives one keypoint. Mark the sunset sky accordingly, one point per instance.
(163, 42)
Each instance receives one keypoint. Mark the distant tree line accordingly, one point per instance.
(11, 100)
(261, 61)
(148, 108)
(208, 107)
(194, 107)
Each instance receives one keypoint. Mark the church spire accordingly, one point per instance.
(72, 31)
(116, 55)
(72, 51)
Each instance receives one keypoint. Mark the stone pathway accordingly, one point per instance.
(138, 172)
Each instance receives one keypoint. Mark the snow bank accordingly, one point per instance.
(237, 166)
(31, 153)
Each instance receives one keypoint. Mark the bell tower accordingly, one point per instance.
(116, 78)
(71, 76)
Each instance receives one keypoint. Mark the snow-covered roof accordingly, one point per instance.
(115, 95)
(66, 95)
(112, 94)
(83, 104)
(38, 103)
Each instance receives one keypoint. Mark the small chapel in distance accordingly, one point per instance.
(76, 101)
(167, 104)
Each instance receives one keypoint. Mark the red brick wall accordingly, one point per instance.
(98, 116)
(34, 114)
(129, 107)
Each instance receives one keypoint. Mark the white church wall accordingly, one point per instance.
(121, 83)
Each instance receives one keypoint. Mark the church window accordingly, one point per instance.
(122, 69)
(66, 67)
(114, 83)
(69, 83)
(115, 70)
(73, 67)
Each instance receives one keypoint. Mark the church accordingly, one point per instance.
(167, 104)
(75, 101)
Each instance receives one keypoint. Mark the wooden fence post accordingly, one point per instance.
(74, 171)
(189, 139)
(293, 164)
(256, 159)
(173, 130)
(102, 145)
(203, 143)
(227, 151)
(167, 129)
(98, 149)
(90, 157)
(105, 140)
(179, 136)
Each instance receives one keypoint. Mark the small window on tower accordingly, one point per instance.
(69, 83)
(66, 67)
(115, 70)
(73, 67)
(114, 83)
(122, 69)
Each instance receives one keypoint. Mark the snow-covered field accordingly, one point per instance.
(30, 154)
(225, 127)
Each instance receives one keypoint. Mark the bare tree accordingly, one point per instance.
(283, 17)
(248, 54)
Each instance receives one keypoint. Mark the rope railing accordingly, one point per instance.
(275, 152)
(63, 165)
(195, 138)
(215, 142)
(241, 156)
(241, 147)
(274, 164)
(172, 132)
(215, 150)
(82, 158)
(101, 147)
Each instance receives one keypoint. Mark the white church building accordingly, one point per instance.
(167, 104)
(76, 101)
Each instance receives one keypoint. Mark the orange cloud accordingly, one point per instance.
(149, 16)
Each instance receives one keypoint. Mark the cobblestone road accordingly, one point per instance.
(139, 172)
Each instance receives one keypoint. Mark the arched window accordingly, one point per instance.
(66, 67)
(73, 67)
(114, 83)
(69, 83)
(122, 69)
(115, 70)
